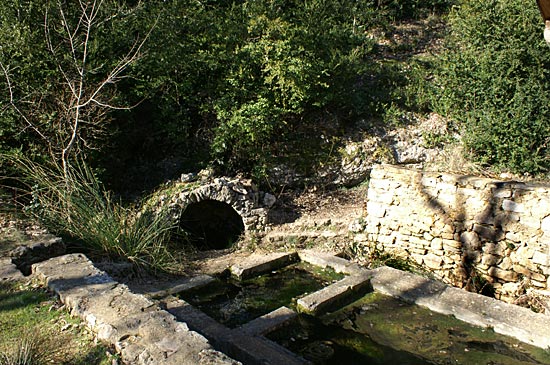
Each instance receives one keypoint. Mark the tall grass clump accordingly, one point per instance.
(28, 350)
(75, 205)
(34, 346)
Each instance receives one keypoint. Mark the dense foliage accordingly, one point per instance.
(493, 79)
(237, 84)
(214, 82)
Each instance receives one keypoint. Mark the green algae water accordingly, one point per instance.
(233, 302)
(382, 330)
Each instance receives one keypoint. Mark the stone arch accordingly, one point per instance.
(212, 224)
(235, 203)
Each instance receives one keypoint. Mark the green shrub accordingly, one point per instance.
(412, 9)
(493, 79)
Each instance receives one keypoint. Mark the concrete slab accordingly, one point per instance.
(183, 285)
(141, 331)
(198, 321)
(269, 322)
(260, 264)
(324, 259)
(336, 295)
(261, 351)
(506, 319)
(237, 343)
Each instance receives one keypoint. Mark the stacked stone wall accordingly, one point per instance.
(462, 228)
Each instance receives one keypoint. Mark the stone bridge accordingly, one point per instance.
(214, 213)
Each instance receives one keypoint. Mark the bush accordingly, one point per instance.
(493, 79)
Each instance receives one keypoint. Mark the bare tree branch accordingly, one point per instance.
(12, 102)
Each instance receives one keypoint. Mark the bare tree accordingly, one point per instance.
(86, 93)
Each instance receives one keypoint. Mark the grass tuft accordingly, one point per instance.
(75, 205)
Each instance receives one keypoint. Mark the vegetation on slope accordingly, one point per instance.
(142, 91)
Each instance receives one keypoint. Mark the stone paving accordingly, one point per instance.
(168, 330)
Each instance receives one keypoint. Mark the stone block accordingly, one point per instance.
(521, 270)
(418, 251)
(497, 248)
(427, 237)
(525, 253)
(470, 240)
(452, 244)
(418, 241)
(514, 236)
(479, 183)
(528, 263)
(490, 260)
(419, 259)
(488, 233)
(538, 284)
(485, 217)
(376, 209)
(466, 193)
(8, 271)
(531, 223)
(335, 295)
(505, 275)
(433, 261)
(504, 218)
(451, 259)
(545, 224)
(436, 244)
(269, 322)
(540, 258)
(511, 206)
(501, 193)
(386, 240)
(260, 264)
(538, 277)
(505, 264)
(324, 259)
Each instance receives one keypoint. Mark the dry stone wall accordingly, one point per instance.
(462, 228)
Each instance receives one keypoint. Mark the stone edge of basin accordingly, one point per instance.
(262, 263)
(246, 343)
(139, 329)
(504, 318)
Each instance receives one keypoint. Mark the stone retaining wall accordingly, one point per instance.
(462, 228)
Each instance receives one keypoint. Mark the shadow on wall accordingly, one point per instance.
(211, 225)
(479, 227)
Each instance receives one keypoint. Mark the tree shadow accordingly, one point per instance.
(478, 220)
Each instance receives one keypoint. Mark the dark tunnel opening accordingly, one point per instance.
(211, 225)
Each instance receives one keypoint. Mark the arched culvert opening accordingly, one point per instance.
(212, 225)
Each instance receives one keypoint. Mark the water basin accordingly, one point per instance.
(234, 302)
(379, 329)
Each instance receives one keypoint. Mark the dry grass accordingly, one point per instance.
(36, 330)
